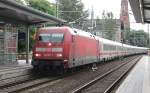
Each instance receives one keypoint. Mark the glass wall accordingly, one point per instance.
(1, 45)
(8, 44)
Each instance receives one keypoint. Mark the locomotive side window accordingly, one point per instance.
(53, 37)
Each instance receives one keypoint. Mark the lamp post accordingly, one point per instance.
(57, 8)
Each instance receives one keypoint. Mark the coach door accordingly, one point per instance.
(98, 50)
(73, 60)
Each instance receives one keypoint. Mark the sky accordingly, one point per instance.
(114, 6)
(100, 5)
(110, 5)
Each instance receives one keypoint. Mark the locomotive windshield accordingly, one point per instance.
(53, 37)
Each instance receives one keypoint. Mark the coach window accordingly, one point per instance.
(113, 48)
(106, 47)
(110, 47)
(119, 48)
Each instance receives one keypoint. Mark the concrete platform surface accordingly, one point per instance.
(138, 80)
(19, 64)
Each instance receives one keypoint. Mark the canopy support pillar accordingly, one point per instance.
(27, 44)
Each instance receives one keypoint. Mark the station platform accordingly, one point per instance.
(20, 64)
(138, 80)
(11, 73)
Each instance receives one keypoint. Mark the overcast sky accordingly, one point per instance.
(114, 6)
(100, 5)
(110, 5)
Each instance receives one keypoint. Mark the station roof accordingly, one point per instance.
(13, 12)
(141, 10)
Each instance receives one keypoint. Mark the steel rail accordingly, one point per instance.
(112, 86)
(90, 83)
(10, 76)
(27, 85)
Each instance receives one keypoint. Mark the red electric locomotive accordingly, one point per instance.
(64, 47)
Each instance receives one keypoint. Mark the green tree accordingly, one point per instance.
(71, 10)
(137, 38)
(98, 21)
(109, 25)
(19, 1)
(42, 5)
(126, 35)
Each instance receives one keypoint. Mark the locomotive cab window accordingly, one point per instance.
(44, 37)
(53, 37)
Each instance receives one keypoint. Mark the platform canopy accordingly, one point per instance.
(141, 10)
(13, 12)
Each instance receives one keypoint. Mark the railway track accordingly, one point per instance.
(33, 82)
(19, 79)
(68, 83)
(18, 74)
(29, 84)
(106, 82)
(29, 81)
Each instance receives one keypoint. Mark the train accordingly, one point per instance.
(66, 47)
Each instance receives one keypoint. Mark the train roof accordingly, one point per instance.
(48, 28)
(75, 31)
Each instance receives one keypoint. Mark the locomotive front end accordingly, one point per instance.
(48, 51)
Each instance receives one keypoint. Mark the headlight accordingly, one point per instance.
(37, 55)
(57, 49)
(59, 55)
